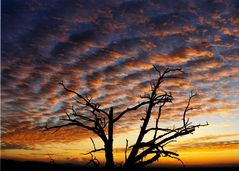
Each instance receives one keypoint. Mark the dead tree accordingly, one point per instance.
(101, 122)
(51, 160)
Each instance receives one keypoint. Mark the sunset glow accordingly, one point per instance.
(106, 50)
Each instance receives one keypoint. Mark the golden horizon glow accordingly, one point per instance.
(194, 150)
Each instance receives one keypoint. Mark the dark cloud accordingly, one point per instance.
(10, 146)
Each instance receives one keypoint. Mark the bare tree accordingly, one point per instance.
(51, 160)
(101, 122)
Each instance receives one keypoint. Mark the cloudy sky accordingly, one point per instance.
(106, 49)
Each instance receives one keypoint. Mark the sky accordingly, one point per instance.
(106, 50)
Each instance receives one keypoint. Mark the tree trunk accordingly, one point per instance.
(109, 145)
(109, 156)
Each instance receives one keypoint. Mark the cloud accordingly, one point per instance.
(9, 146)
(106, 50)
(31, 138)
(205, 143)
(216, 146)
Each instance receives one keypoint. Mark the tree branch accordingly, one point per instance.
(126, 148)
(130, 109)
(57, 127)
(95, 149)
(157, 120)
(94, 161)
(154, 99)
(163, 142)
(87, 101)
(187, 108)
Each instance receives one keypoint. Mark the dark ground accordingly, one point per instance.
(11, 165)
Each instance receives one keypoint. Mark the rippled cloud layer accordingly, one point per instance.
(106, 50)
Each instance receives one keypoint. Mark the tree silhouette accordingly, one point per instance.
(101, 122)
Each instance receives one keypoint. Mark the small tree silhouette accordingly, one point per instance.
(101, 122)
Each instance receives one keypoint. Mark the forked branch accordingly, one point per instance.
(95, 107)
(95, 149)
